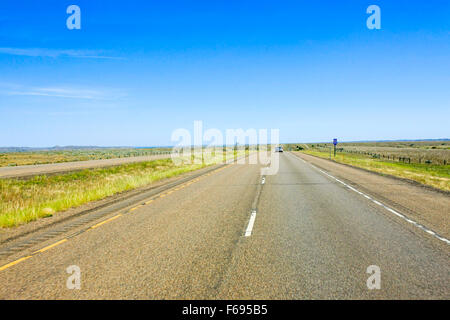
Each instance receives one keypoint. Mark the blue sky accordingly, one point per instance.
(137, 70)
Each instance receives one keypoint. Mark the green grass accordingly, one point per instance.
(437, 176)
(10, 159)
(23, 201)
(420, 152)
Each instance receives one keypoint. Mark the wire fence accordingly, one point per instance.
(419, 156)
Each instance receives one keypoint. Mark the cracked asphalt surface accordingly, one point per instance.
(312, 239)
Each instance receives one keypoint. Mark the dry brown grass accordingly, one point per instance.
(437, 176)
(43, 157)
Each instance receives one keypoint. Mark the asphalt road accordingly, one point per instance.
(310, 237)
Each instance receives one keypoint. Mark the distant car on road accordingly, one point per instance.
(279, 149)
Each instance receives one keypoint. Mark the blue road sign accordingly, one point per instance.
(335, 141)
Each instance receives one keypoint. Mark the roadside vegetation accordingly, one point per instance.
(19, 158)
(27, 200)
(427, 163)
(421, 152)
(22, 201)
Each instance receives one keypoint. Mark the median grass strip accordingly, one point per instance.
(437, 176)
(12, 159)
(22, 201)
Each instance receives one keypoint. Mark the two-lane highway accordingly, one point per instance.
(311, 237)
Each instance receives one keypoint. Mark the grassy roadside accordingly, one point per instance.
(437, 176)
(12, 159)
(23, 201)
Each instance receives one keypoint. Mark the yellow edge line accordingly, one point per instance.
(137, 207)
(51, 246)
(106, 221)
(6, 266)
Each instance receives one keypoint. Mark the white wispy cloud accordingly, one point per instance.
(55, 53)
(64, 92)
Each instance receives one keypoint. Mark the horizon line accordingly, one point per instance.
(160, 146)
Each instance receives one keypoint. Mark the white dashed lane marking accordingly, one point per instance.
(248, 232)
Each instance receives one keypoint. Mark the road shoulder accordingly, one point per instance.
(8, 235)
(426, 206)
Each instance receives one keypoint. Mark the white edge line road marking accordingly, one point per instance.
(431, 232)
(248, 232)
